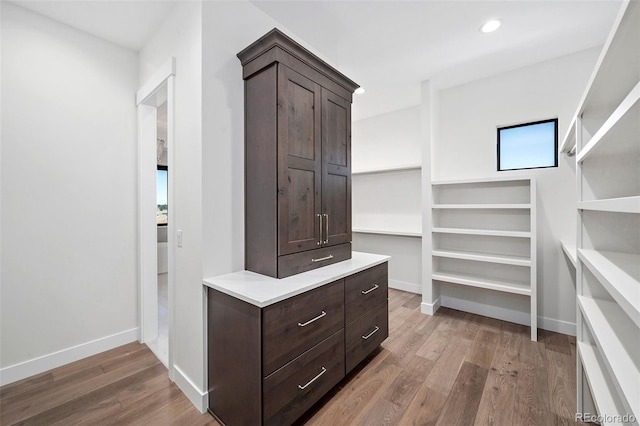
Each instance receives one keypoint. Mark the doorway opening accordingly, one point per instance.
(155, 203)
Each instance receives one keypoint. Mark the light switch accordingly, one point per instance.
(179, 237)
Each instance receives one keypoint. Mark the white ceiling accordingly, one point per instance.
(389, 46)
(128, 23)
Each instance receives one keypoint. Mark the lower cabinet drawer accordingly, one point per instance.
(365, 334)
(293, 326)
(292, 264)
(294, 388)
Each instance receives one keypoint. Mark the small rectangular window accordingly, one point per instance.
(162, 211)
(528, 146)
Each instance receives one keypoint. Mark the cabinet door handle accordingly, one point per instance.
(326, 228)
(322, 258)
(375, 286)
(319, 229)
(324, 370)
(300, 324)
(372, 333)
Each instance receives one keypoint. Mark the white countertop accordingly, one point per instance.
(261, 290)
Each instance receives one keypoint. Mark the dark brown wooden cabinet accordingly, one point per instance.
(268, 365)
(297, 159)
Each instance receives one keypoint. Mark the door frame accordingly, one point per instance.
(157, 90)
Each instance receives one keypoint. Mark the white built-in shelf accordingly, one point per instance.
(619, 274)
(607, 136)
(407, 167)
(391, 232)
(483, 206)
(629, 107)
(617, 340)
(474, 208)
(490, 284)
(620, 205)
(488, 180)
(602, 387)
(569, 250)
(615, 71)
(485, 232)
(569, 141)
(483, 257)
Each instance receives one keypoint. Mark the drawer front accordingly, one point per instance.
(365, 334)
(293, 326)
(365, 290)
(316, 372)
(296, 263)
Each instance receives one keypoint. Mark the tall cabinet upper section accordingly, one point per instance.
(297, 158)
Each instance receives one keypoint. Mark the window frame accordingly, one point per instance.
(531, 123)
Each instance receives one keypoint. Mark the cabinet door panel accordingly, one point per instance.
(336, 172)
(300, 162)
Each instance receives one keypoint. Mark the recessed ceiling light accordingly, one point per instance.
(359, 91)
(491, 26)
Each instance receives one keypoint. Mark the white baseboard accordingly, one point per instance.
(510, 315)
(404, 286)
(557, 326)
(29, 368)
(430, 308)
(197, 397)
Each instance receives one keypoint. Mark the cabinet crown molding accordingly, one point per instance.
(276, 39)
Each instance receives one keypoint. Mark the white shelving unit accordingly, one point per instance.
(387, 169)
(606, 136)
(387, 201)
(387, 219)
(484, 236)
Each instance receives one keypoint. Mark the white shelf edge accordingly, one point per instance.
(625, 106)
(602, 388)
(567, 146)
(482, 206)
(485, 232)
(603, 54)
(388, 169)
(570, 251)
(620, 205)
(485, 283)
(482, 180)
(598, 315)
(390, 232)
(480, 257)
(619, 274)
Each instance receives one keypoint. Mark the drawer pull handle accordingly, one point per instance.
(324, 370)
(300, 324)
(322, 258)
(375, 287)
(372, 333)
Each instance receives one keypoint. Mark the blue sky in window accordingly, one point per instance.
(161, 185)
(527, 146)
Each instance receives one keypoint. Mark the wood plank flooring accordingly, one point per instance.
(452, 368)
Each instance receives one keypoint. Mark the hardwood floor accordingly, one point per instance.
(453, 368)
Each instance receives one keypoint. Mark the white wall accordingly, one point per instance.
(465, 147)
(68, 178)
(180, 35)
(386, 140)
(208, 163)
